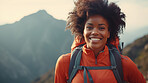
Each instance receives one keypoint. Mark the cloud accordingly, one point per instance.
(136, 13)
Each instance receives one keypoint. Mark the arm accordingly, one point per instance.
(131, 72)
(61, 69)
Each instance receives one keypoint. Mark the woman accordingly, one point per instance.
(96, 23)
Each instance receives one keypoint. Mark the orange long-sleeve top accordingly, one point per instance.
(130, 70)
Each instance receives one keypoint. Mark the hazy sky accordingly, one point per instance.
(13, 10)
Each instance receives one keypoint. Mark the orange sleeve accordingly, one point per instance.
(131, 72)
(61, 69)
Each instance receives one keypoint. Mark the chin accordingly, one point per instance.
(95, 47)
(99, 47)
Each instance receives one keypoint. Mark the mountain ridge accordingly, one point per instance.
(39, 16)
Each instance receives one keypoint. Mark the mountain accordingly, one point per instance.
(138, 51)
(31, 46)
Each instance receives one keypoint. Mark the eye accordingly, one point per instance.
(101, 28)
(89, 27)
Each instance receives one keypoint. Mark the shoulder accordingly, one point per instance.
(61, 69)
(62, 64)
(130, 71)
(64, 59)
(127, 63)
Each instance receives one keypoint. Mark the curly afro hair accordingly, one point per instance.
(85, 8)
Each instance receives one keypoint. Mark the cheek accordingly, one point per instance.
(85, 35)
(106, 34)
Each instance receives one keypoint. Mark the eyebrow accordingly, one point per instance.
(101, 24)
(98, 24)
(89, 24)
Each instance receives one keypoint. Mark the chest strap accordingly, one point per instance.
(86, 72)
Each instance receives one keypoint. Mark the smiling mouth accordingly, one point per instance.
(95, 40)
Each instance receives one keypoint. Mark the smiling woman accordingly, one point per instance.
(95, 56)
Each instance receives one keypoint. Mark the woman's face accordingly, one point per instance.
(96, 33)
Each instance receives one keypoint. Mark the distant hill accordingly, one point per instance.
(31, 46)
(138, 52)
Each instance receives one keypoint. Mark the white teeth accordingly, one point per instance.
(95, 39)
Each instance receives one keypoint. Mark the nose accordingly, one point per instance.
(95, 31)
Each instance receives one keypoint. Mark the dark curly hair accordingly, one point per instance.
(85, 8)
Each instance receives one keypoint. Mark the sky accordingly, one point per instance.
(13, 10)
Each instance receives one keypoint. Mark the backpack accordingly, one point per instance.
(115, 58)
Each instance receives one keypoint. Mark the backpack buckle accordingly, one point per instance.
(113, 67)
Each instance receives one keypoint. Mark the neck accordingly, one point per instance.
(97, 52)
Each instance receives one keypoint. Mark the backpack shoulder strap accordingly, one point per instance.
(118, 72)
(74, 61)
